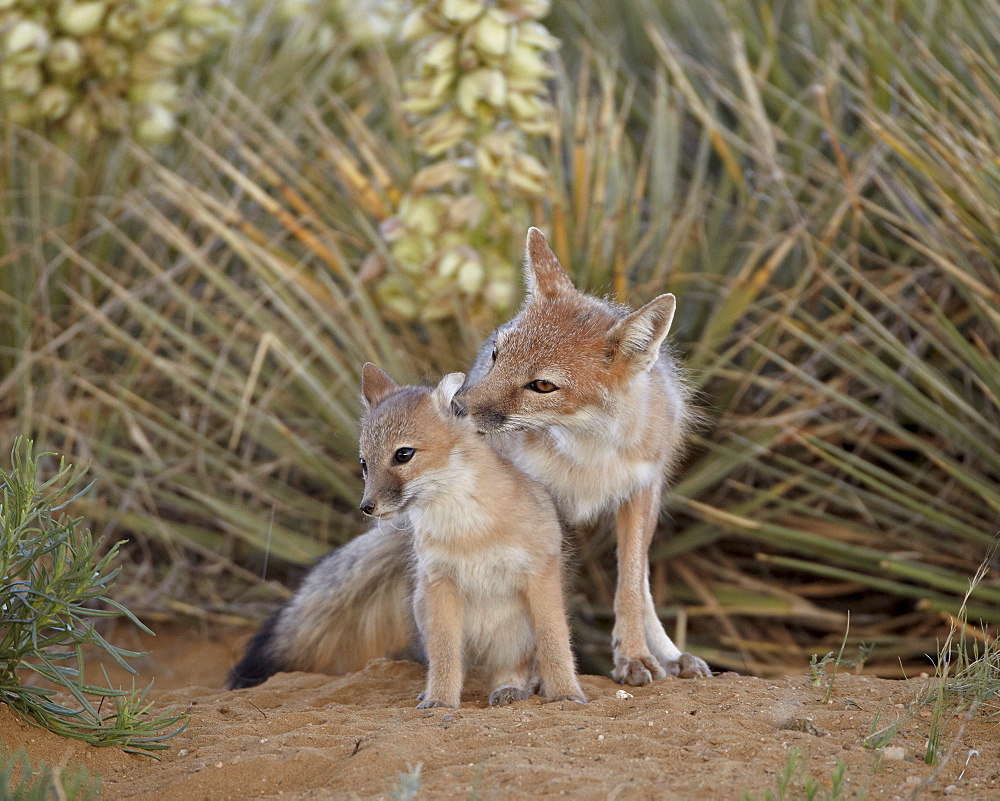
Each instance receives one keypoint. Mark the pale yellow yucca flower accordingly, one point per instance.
(64, 58)
(54, 102)
(437, 175)
(476, 98)
(83, 122)
(163, 93)
(123, 23)
(26, 42)
(155, 123)
(81, 68)
(494, 33)
(168, 48)
(459, 11)
(80, 18)
(203, 15)
(21, 80)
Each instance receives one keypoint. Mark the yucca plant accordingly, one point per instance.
(54, 588)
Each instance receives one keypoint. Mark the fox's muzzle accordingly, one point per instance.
(367, 506)
(489, 421)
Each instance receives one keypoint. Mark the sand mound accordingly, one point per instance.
(311, 736)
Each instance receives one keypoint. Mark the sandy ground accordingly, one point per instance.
(352, 737)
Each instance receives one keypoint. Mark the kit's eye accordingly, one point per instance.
(541, 385)
(403, 455)
(494, 354)
(364, 467)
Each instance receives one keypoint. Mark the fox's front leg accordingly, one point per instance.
(439, 615)
(634, 663)
(675, 663)
(553, 656)
(641, 648)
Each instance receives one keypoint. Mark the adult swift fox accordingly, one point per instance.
(487, 570)
(577, 393)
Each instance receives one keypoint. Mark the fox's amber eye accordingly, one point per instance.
(403, 455)
(364, 467)
(541, 385)
(494, 354)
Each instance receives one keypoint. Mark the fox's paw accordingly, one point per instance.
(638, 671)
(502, 696)
(431, 703)
(688, 666)
(575, 697)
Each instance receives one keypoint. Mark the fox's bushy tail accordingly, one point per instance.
(353, 606)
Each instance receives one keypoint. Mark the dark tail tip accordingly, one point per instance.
(259, 662)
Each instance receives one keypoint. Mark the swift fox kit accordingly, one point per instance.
(487, 545)
(576, 392)
(471, 567)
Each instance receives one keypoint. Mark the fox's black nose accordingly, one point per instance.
(458, 407)
(367, 507)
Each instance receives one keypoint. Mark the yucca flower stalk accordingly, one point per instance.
(80, 68)
(477, 99)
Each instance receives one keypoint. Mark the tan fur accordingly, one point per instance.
(486, 543)
(354, 606)
(604, 440)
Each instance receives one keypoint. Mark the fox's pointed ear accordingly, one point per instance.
(445, 391)
(543, 274)
(376, 385)
(638, 337)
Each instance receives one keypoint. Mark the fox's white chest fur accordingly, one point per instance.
(490, 576)
(490, 571)
(586, 474)
(495, 623)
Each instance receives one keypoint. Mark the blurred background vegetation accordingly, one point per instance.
(212, 213)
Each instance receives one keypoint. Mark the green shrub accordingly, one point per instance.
(54, 587)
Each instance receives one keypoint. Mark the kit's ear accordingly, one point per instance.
(376, 385)
(445, 391)
(638, 337)
(544, 276)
